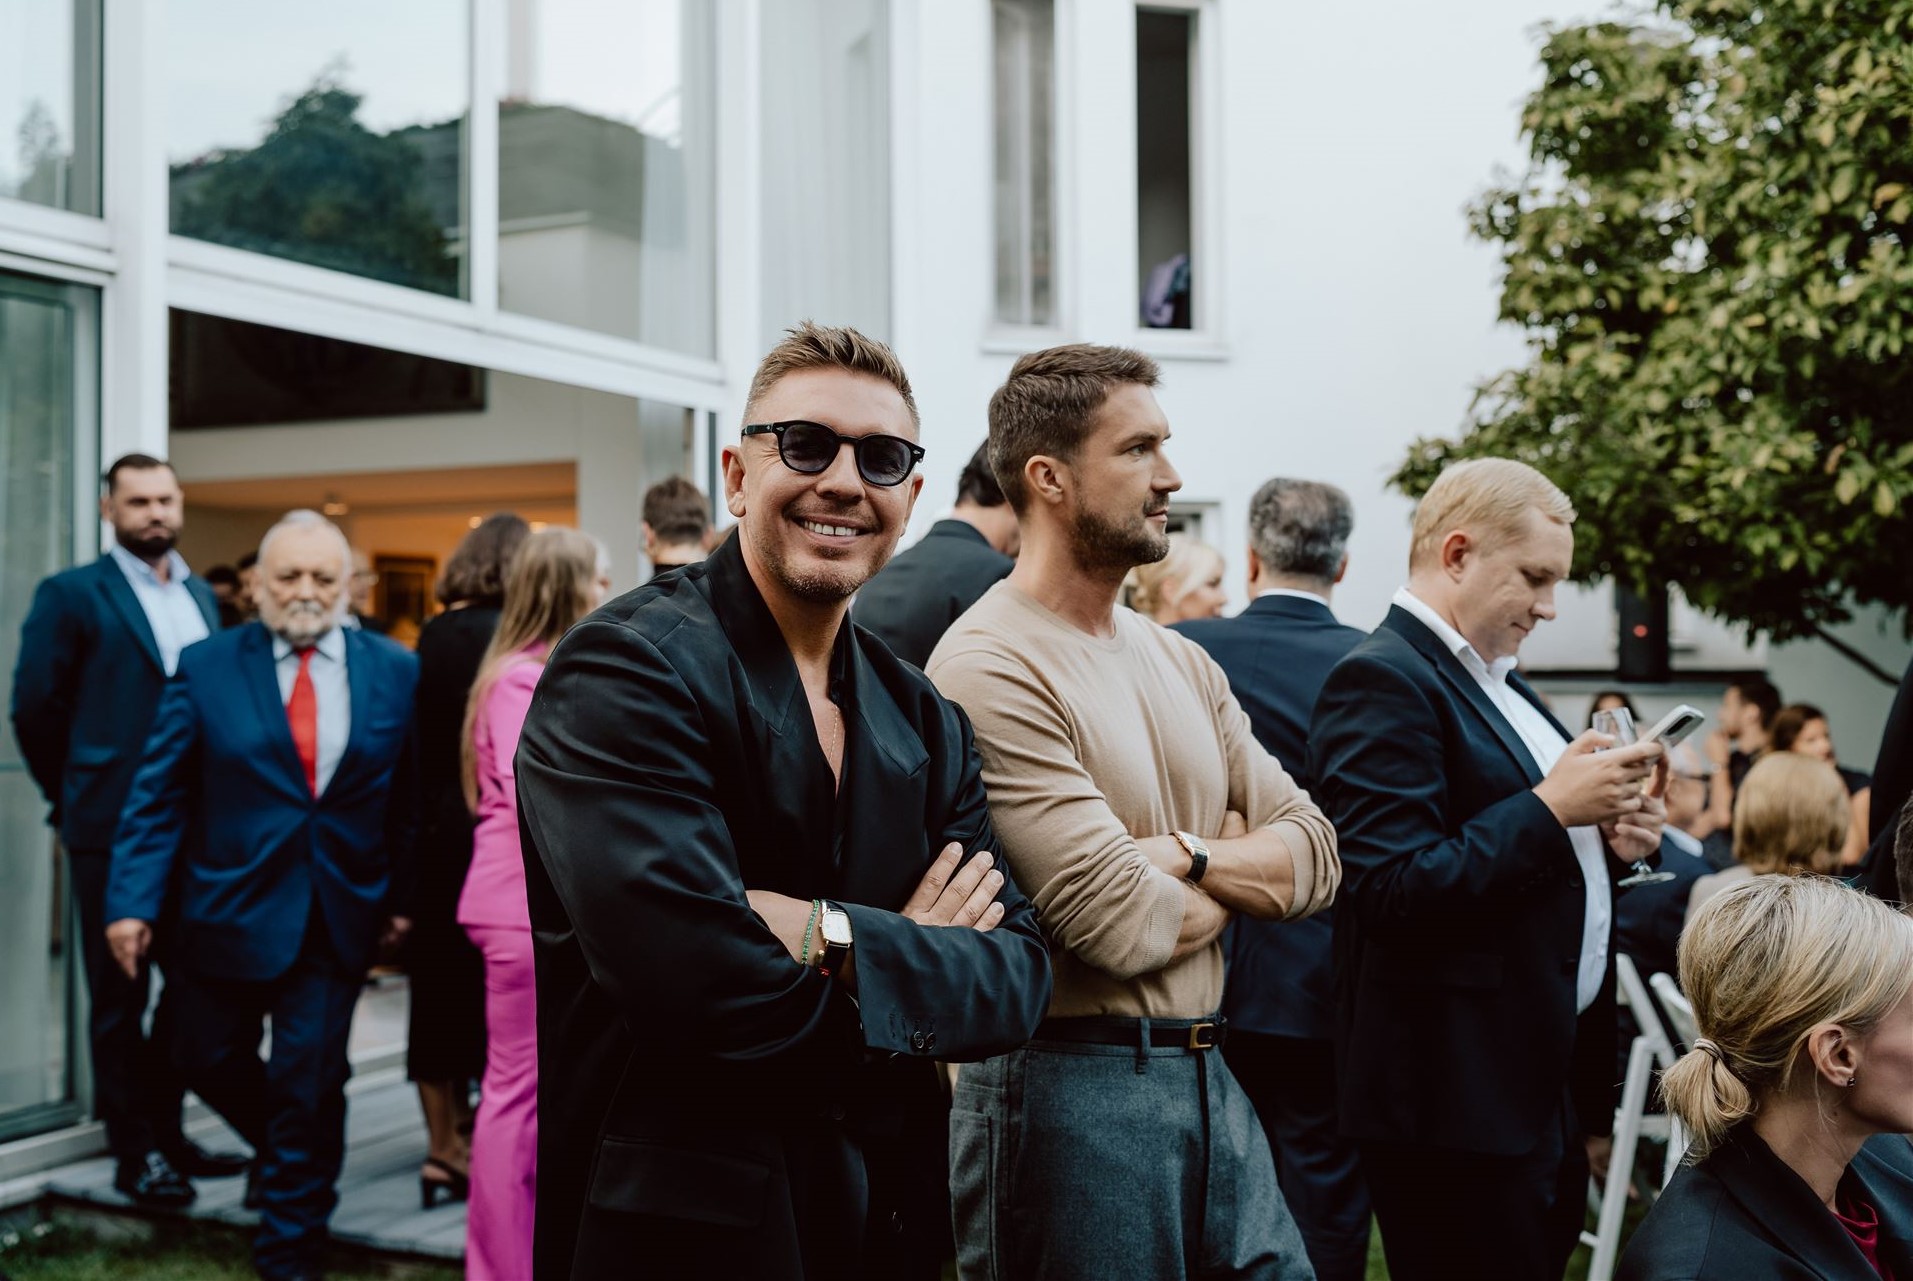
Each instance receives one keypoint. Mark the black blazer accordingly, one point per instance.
(1892, 783)
(913, 600)
(1743, 1214)
(85, 689)
(1458, 932)
(1277, 654)
(707, 1106)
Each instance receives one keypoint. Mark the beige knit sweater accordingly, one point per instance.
(1090, 743)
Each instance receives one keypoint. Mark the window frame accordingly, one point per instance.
(1205, 338)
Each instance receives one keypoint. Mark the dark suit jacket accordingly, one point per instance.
(1743, 1214)
(1277, 653)
(85, 689)
(707, 1106)
(913, 600)
(1458, 933)
(220, 807)
(1892, 784)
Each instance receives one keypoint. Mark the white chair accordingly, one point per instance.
(1652, 1049)
(1680, 1014)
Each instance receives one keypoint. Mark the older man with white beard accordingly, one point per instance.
(275, 803)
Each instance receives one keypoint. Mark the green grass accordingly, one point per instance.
(168, 1250)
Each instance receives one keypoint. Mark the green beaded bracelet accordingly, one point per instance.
(816, 906)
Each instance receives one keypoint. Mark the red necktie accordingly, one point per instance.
(302, 710)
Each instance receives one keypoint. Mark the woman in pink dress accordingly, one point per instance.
(555, 579)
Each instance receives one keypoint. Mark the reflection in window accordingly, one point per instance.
(1025, 178)
(1165, 54)
(50, 103)
(605, 169)
(49, 350)
(327, 134)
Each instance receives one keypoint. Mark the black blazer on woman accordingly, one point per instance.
(707, 1108)
(1743, 1214)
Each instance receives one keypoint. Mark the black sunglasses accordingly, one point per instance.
(810, 448)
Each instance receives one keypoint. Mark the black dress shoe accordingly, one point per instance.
(151, 1180)
(196, 1162)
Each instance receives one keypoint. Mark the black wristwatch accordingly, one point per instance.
(834, 925)
(1198, 855)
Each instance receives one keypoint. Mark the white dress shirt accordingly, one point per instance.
(1545, 744)
(329, 685)
(170, 609)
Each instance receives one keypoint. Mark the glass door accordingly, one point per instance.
(49, 428)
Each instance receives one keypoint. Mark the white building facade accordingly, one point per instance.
(414, 262)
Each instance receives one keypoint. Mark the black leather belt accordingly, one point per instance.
(1164, 1034)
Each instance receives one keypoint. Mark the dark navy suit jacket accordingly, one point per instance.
(1276, 654)
(1458, 930)
(220, 807)
(85, 688)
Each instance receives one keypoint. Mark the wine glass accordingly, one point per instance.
(1618, 723)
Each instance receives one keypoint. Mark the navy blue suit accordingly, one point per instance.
(85, 689)
(1464, 1065)
(281, 899)
(1277, 653)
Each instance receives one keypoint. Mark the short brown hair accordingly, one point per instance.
(1784, 726)
(809, 345)
(1048, 402)
(677, 512)
(475, 571)
(1791, 814)
(1487, 495)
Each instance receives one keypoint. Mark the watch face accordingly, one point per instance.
(836, 926)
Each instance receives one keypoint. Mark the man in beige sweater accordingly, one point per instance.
(1137, 810)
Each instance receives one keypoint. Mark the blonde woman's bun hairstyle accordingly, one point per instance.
(1764, 963)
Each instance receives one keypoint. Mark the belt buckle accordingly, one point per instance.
(1196, 1041)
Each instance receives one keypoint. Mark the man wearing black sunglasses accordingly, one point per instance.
(748, 821)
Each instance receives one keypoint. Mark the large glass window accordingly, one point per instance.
(606, 153)
(331, 134)
(825, 130)
(50, 103)
(48, 425)
(1165, 169)
(1025, 84)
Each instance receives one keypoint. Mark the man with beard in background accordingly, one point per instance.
(97, 648)
(1140, 813)
(275, 803)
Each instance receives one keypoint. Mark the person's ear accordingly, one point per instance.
(106, 508)
(1835, 1055)
(733, 464)
(1043, 477)
(1341, 570)
(1456, 550)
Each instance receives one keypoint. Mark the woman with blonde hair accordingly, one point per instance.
(1185, 584)
(1803, 993)
(557, 577)
(1791, 817)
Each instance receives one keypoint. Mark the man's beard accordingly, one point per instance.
(827, 584)
(1101, 543)
(300, 623)
(154, 542)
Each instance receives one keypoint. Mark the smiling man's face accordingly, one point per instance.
(1506, 586)
(819, 538)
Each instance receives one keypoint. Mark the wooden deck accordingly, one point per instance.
(385, 1142)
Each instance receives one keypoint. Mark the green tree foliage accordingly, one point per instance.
(1709, 254)
(323, 189)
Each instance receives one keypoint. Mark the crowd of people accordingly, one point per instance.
(1243, 934)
